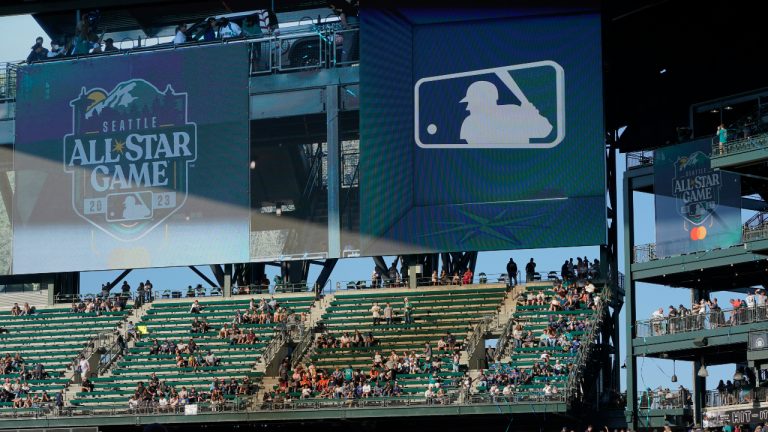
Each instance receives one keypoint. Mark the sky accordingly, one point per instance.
(19, 35)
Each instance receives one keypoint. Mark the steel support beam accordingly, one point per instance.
(333, 167)
(325, 274)
(631, 314)
(118, 279)
(203, 277)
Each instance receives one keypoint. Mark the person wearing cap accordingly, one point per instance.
(39, 52)
(109, 45)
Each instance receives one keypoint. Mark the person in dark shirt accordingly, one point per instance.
(109, 45)
(530, 269)
(512, 272)
(39, 52)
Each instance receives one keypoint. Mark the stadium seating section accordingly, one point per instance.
(172, 321)
(53, 337)
(436, 312)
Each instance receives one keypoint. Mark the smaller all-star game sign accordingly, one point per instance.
(129, 154)
(697, 207)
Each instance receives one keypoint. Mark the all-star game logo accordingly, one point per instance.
(129, 155)
(697, 193)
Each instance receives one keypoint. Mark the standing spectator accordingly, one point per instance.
(210, 30)
(722, 137)
(228, 29)
(251, 26)
(408, 311)
(388, 314)
(530, 269)
(657, 318)
(512, 272)
(348, 15)
(376, 312)
(85, 368)
(39, 52)
(374, 278)
(148, 290)
(181, 34)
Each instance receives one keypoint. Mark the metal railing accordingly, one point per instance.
(705, 321)
(737, 396)
(306, 342)
(644, 253)
(273, 347)
(640, 158)
(454, 397)
(756, 142)
(587, 347)
(422, 281)
(755, 232)
(664, 399)
(478, 333)
(8, 73)
(318, 47)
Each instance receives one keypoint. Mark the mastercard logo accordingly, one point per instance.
(698, 233)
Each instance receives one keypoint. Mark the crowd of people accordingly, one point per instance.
(157, 394)
(98, 306)
(380, 379)
(87, 40)
(25, 310)
(16, 387)
(707, 314)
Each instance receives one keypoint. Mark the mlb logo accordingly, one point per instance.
(518, 106)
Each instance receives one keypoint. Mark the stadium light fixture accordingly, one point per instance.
(703, 372)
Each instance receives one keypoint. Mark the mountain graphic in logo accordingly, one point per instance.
(132, 99)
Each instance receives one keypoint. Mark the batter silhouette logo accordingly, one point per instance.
(519, 106)
(129, 156)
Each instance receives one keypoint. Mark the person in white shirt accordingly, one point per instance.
(181, 34)
(547, 390)
(228, 29)
(85, 368)
(366, 389)
(590, 288)
(750, 300)
(656, 318)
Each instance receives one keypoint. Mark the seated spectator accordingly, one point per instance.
(196, 307)
(86, 385)
(15, 310)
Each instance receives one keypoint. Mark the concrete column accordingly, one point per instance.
(227, 291)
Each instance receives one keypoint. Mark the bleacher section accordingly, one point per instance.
(538, 318)
(436, 311)
(53, 337)
(171, 320)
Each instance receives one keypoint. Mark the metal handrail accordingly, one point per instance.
(664, 399)
(755, 142)
(478, 332)
(695, 322)
(737, 396)
(424, 281)
(640, 158)
(305, 343)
